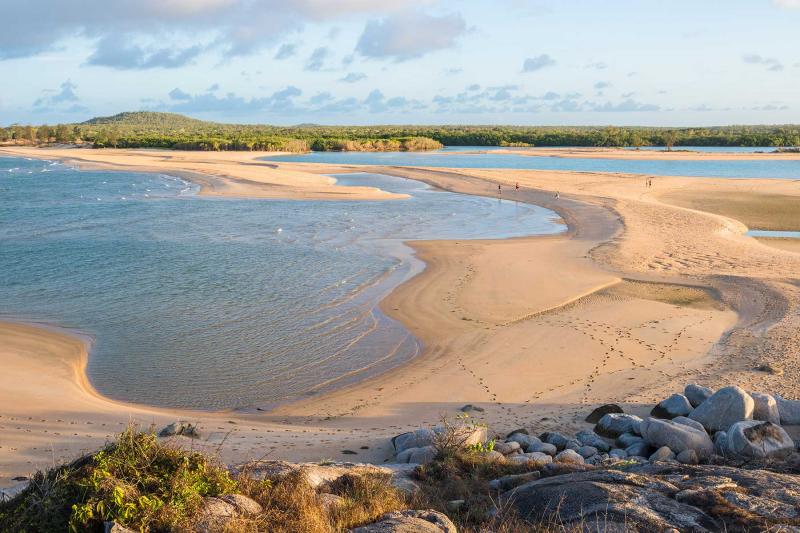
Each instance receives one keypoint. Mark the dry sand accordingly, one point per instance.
(639, 297)
(678, 154)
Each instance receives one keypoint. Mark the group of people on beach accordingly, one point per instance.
(516, 187)
(500, 188)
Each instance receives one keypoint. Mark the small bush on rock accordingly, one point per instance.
(136, 481)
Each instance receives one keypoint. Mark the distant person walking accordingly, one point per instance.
(499, 189)
(557, 195)
(517, 185)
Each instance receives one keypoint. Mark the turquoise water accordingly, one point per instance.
(221, 303)
(453, 159)
(781, 234)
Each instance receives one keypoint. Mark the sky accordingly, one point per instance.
(539, 62)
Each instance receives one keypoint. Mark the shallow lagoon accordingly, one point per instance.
(221, 303)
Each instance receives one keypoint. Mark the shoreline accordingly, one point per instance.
(218, 174)
(496, 313)
(653, 155)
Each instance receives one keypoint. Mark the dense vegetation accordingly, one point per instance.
(169, 130)
(148, 485)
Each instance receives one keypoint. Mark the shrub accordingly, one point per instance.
(136, 481)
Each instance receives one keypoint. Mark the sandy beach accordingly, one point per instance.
(650, 288)
(677, 154)
(220, 174)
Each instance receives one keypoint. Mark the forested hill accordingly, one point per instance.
(147, 129)
(147, 119)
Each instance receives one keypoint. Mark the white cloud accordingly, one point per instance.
(241, 26)
(769, 62)
(787, 4)
(532, 64)
(409, 35)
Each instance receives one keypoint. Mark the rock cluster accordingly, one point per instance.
(661, 497)
(420, 446)
(688, 428)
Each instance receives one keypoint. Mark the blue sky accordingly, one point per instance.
(685, 62)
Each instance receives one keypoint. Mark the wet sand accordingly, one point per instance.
(639, 297)
(782, 243)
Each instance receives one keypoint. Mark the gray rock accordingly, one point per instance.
(464, 435)
(492, 457)
(675, 405)
(215, 514)
(329, 501)
(244, 506)
(509, 482)
(507, 448)
(587, 451)
(572, 444)
(590, 438)
(606, 500)
(413, 439)
(569, 456)
(517, 459)
(789, 411)
(524, 440)
(688, 457)
(639, 449)
(754, 439)
(405, 455)
(542, 447)
(662, 454)
(678, 437)
(689, 422)
(319, 475)
(180, 428)
(467, 434)
(616, 453)
(723, 409)
(595, 416)
(628, 439)
(423, 455)
(765, 408)
(556, 439)
(697, 394)
(539, 458)
(721, 443)
(613, 425)
(410, 522)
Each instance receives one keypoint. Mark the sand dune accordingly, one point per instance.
(643, 294)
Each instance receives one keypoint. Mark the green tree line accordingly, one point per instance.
(171, 131)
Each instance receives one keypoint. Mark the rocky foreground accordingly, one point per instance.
(702, 461)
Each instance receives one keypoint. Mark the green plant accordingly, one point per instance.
(482, 447)
(136, 481)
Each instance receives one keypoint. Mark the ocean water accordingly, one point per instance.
(778, 234)
(219, 303)
(453, 159)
